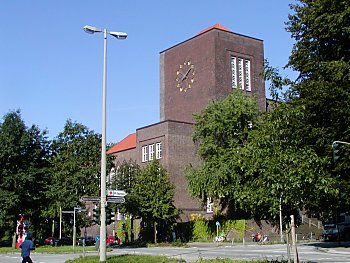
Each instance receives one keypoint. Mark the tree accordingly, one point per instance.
(321, 54)
(24, 176)
(153, 194)
(75, 166)
(123, 178)
(257, 162)
(222, 130)
(280, 170)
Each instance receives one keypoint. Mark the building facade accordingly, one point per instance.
(201, 69)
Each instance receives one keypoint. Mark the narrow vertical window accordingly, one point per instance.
(250, 125)
(144, 154)
(158, 150)
(233, 72)
(209, 205)
(151, 151)
(247, 75)
(240, 73)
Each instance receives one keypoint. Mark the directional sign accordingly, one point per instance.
(90, 198)
(116, 193)
(115, 199)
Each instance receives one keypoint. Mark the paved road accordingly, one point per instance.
(307, 253)
(38, 258)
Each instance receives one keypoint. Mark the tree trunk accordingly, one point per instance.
(295, 251)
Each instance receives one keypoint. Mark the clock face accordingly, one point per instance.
(185, 76)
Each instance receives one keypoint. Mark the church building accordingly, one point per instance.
(194, 72)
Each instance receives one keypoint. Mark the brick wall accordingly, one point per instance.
(210, 53)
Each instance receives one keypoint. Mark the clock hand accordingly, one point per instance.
(179, 72)
(185, 75)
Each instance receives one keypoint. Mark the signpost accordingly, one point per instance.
(113, 196)
(115, 199)
(217, 230)
(118, 193)
(76, 209)
(90, 199)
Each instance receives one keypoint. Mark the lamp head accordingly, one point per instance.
(119, 35)
(91, 29)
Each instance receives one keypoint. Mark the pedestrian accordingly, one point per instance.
(26, 246)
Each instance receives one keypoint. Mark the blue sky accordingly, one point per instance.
(51, 69)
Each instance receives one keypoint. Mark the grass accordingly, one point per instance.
(124, 258)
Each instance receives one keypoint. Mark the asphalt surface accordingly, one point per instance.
(320, 252)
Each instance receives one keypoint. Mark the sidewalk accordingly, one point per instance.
(332, 247)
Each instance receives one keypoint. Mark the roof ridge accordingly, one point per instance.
(216, 26)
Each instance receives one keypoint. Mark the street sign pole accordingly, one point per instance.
(217, 231)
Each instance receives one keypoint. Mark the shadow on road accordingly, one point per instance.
(329, 244)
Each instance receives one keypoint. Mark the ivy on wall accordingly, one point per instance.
(204, 230)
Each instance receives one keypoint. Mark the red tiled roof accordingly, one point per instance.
(217, 26)
(127, 143)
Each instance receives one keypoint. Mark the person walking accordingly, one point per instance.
(26, 246)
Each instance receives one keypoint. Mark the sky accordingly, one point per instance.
(51, 70)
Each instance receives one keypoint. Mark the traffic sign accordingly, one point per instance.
(115, 199)
(116, 193)
(90, 198)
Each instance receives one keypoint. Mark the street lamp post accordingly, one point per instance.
(103, 232)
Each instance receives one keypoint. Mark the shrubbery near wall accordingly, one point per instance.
(204, 230)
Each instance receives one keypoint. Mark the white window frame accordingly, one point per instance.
(144, 153)
(241, 73)
(247, 77)
(209, 205)
(234, 71)
(151, 152)
(250, 125)
(158, 150)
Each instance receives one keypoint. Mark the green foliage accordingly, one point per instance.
(201, 230)
(235, 168)
(124, 179)
(204, 230)
(286, 158)
(233, 225)
(153, 194)
(222, 131)
(321, 31)
(321, 54)
(75, 166)
(124, 176)
(23, 172)
(278, 85)
(293, 174)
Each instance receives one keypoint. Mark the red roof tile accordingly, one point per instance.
(217, 26)
(127, 143)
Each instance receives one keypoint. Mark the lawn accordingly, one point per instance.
(123, 258)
